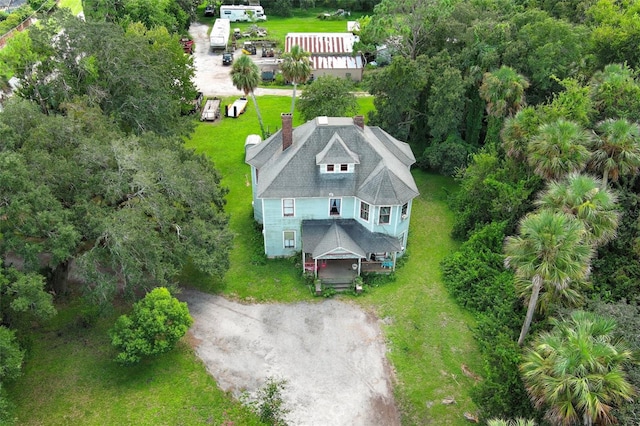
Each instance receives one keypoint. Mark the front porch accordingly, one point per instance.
(336, 252)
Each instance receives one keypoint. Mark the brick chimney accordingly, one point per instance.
(287, 130)
(358, 120)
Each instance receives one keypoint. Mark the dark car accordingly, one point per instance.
(209, 10)
(227, 58)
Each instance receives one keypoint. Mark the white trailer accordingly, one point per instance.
(219, 37)
(211, 110)
(242, 13)
(238, 107)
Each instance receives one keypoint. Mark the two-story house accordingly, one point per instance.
(335, 190)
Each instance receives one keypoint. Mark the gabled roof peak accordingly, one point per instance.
(337, 152)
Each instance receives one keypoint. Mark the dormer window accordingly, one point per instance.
(339, 168)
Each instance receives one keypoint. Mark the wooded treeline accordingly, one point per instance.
(534, 106)
(96, 187)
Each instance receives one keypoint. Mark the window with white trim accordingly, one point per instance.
(364, 211)
(289, 239)
(385, 215)
(344, 167)
(330, 168)
(403, 212)
(334, 206)
(288, 206)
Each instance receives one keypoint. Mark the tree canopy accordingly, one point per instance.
(127, 211)
(141, 78)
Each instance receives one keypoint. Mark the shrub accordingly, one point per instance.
(447, 157)
(268, 404)
(156, 324)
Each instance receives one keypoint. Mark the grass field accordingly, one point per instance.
(301, 21)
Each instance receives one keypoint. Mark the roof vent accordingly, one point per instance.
(323, 120)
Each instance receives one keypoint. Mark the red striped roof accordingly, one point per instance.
(321, 43)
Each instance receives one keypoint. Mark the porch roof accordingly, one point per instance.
(324, 238)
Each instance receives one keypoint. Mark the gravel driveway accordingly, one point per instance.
(211, 77)
(331, 353)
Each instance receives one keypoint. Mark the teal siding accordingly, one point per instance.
(318, 208)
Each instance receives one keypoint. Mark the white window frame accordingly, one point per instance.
(332, 166)
(380, 222)
(285, 239)
(339, 206)
(285, 209)
(368, 211)
(404, 210)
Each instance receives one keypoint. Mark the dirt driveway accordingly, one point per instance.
(331, 353)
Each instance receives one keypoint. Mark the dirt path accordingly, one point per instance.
(331, 354)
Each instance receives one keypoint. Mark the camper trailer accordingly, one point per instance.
(242, 13)
(219, 34)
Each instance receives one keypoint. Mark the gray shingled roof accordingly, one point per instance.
(382, 177)
(321, 237)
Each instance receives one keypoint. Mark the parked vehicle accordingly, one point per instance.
(187, 45)
(268, 76)
(210, 10)
(248, 48)
(267, 51)
(242, 13)
(227, 58)
(219, 37)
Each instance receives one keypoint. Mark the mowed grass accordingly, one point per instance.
(74, 5)
(428, 335)
(301, 21)
(70, 378)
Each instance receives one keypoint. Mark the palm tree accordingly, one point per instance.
(517, 131)
(559, 148)
(617, 149)
(512, 422)
(296, 68)
(549, 253)
(245, 75)
(503, 90)
(575, 371)
(582, 197)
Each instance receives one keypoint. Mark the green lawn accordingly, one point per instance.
(74, 5)
(301, 21)
(70, 378)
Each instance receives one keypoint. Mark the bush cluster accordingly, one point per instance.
(476, 278)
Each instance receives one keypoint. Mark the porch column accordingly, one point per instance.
(394, 255)
(315, 268)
